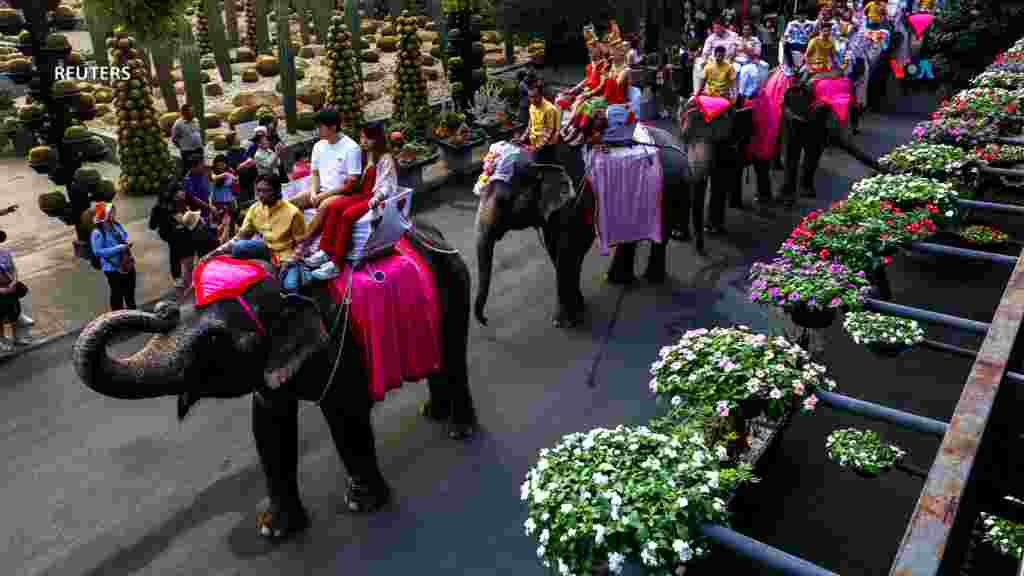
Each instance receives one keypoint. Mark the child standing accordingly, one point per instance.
(223, 197)
(268, 163)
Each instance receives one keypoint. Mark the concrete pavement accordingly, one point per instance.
(101, 486)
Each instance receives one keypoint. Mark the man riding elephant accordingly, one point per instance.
(752, 70)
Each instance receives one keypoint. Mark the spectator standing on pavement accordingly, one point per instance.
(186, 137)
(11, 292)
(110, 244)
(197, 186)
(23, 319)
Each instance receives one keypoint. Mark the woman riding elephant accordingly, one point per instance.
(254, 341)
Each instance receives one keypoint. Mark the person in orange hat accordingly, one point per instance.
(109, 242)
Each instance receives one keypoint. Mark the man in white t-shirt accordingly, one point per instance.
(337, 163)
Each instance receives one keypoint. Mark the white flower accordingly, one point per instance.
(563, 569)
(539, 496)
(599, 532)
(682, 502)
(566, 508)
(723, 454)
(530, 526)
(713, 479)
(683, 550)
(615, 562)
(524, 491)
(718, 505)
(654, 385)
(600, 479)
(542, 464)
(677, 400)
(540, 551)
(545, 536)
(775, 393)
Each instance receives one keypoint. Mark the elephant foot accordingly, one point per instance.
(186, 401)
(620, 278)
(364, 498)
(681, 235)
(655, 276)
(570, 319)
(277, 524)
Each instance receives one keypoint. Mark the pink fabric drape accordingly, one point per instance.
(627, 184)
(920, 22)
(712, 106)
(764, 144)
(836, 94)
(395, 317)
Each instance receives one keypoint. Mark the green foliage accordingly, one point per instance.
(146, 20)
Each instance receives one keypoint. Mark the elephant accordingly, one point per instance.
(807, 127)
(222, 351)
(565, 218)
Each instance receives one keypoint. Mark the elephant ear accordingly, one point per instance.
(298, 334)
(695, 129)
(557, 191)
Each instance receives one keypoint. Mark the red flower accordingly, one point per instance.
(823, 254)
(887, 260)
(1011, 108)
(933, 209)
(890, 223)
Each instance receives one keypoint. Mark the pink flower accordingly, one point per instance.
(810, 402)
(723, 408)
(798, 388)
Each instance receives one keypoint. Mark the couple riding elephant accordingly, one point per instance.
(565, 211)
(282, 350)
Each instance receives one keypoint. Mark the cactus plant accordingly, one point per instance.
(99, 27)
(191, 75)
(259, 21)
(202, 24)
(250, 26)
(218, 38)
(163, 61)
(231, 19)
(346, 87)
(286, 58)
(410, 104)
(461, 39)
(144, 154)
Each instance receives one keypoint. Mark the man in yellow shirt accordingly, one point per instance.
(719, 77)
(821, 54)
(544, 124)
(874, 13)
(280, 224)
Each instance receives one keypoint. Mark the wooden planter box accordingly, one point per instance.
(411, 175)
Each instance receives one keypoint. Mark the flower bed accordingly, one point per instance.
(862, 451)
(923, 159)
(1000, 78)
(798, 277)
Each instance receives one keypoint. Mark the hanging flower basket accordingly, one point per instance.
(862, 451)
(812, 318)
(884, 335)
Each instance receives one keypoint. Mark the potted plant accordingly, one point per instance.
(457, 140)
(808, 286)
(887, 336)
(738, 375)
(923, 159)
(862, 451)
(599, 500)
(1004, 535)
(981, 236)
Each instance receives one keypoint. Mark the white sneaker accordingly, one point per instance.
(25, 321)
(318, 259)
(327, 271)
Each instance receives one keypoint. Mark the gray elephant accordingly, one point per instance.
(799, 127)
(565, 218)
(281, 351)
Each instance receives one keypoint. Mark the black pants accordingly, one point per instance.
(122, 290)
(186, 162)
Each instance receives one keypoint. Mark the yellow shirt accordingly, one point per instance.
(279, 225)
(719, 79)
(926, 5)
(875, 11)
(820, 54)
(543, 123)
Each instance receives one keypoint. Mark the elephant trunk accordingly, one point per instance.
(159, 369)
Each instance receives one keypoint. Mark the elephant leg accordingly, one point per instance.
(733, 176)
(812, 158)
(697, 192)
(347, 411)
(575, 237)
(793, 153)
(621, 269)
(720, 179)
(655, 273)
(275, 427)
(677, 213)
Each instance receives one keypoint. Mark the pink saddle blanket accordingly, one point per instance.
(836, 93)
(223, 278)
(712, 106)
(627, 184)
(395, 317)
(920, 22)
(767, 119)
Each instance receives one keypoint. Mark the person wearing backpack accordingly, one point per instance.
(109, 242)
